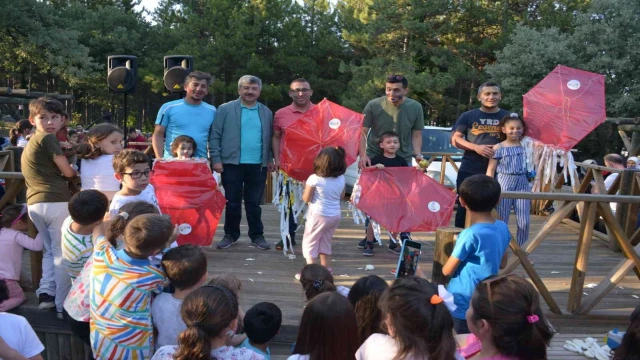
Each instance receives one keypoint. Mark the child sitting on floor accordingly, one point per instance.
(233, 284)
(211, 315)
(418, 322)
(261, 323)
(186, 269)
(479, 248)
(132, 171)
(12, 242)
(629, 349)
(316, 279)
(122, 282)
(506, 321)
(365, 296)
(87, 209)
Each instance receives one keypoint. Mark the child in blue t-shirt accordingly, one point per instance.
(480, 249)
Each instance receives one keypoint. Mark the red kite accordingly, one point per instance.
(560, 111)
(187, 191)
(565, 107)
(327, 124)
(404, 199)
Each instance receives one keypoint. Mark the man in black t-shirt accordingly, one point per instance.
(475, 132)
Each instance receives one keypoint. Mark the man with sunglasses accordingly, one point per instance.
(392, 112)
(300, 92)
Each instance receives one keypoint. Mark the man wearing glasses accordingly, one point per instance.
(392, 112)
(300, 92)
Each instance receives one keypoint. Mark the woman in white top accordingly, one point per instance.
(328, 330)
(96, 168)
(211, 316)
(419, 324)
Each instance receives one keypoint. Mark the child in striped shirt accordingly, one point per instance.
(122, 282)
(510, 162)
(87, 209)
(77, 302)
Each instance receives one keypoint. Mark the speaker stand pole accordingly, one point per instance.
(126, 113)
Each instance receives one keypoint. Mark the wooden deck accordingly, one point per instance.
(269, 275)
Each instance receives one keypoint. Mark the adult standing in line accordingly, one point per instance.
(189, 116)
(475, 132)
(300, 92)
(392, 112)
(240, 143)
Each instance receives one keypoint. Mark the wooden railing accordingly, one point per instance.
(444, 159)
(593, 206)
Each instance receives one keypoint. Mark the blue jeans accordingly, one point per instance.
(244, 181)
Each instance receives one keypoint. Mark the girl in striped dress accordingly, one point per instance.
(509, 161)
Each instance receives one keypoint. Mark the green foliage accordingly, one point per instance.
(345, 48)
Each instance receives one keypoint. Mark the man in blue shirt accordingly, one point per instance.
(189, 116)
(241, 151)
(475, 132)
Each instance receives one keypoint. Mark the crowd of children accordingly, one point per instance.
(100, 268)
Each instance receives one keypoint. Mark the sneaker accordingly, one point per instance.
(261, 243)
(362, 244)
(59, 315)
(297, 276)
(226, 241)
(368, 251)
(46, 301)
(394, 248)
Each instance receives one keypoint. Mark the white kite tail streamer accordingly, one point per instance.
(358, 216)
(544, 160)
(288, 199)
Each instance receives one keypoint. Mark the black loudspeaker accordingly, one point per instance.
(176, 69)
(122, 71)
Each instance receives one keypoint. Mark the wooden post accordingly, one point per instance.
(582, 257)
(445, 240)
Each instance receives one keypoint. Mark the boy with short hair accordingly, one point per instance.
(390, 143)
(132, 171)
(186, 269)
(87, 209)
(122, 284)
(479, 248)
(261, 323)
(45, 167)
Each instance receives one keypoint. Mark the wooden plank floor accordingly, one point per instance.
(268, 275)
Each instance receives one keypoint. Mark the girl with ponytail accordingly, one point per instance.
(506, 321)
(211, 316)
(416, 316)
(19, 132)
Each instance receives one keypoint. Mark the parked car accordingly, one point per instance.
(434, 140)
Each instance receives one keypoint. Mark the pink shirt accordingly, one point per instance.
(285, 117)
(12, 243)
(474, 346)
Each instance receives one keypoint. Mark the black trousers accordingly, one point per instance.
(244, 182)
(462, 212)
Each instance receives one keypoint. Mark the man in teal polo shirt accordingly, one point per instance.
(189, 116)
(240, 144)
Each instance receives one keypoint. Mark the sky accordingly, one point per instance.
(152, 4)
